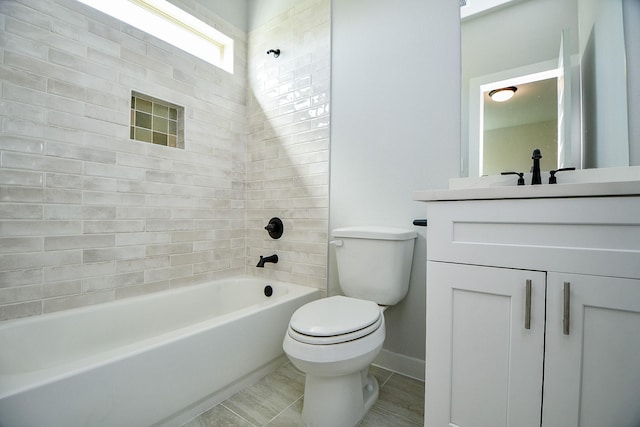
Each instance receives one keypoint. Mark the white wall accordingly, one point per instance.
(604, 84)
(233, 11)
(395, 126)
(260, 12)
(632, 43)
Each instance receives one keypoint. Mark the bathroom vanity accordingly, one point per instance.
(533, 305)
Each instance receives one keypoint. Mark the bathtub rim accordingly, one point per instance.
(15, 384)
(151, 295)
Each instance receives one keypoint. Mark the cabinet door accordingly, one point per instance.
(592, 368)
(484, 368)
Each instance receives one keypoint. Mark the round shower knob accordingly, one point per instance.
(275, 228)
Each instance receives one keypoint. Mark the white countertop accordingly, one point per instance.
(582, 183)
(593, 189)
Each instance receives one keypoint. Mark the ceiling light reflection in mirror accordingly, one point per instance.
(512, 129)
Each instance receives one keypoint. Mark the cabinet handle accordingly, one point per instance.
(567, 308)
(527, 303)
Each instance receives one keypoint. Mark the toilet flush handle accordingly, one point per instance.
(336, 243)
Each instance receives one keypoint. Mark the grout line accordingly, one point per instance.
(396, 415)
(237, 415)
(387, 380)
(422, 380)
(281, 412)
(387, 411)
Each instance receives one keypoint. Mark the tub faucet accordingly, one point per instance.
(273, 258)
(535, 170)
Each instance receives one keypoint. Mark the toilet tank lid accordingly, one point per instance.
(375, 232)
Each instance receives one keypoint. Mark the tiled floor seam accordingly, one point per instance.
(385, 407)
(396, 415)
(284, 410)
(237, 415)
(386, 381)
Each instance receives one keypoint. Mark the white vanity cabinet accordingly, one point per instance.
(592, 369)
(533, 312)
(483, 367)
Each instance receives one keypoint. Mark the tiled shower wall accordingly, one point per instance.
(86, 214)
(288, 142)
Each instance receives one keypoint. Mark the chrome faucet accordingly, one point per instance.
(535, 170)
(273, 258)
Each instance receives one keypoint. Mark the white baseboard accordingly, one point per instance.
(405, 365)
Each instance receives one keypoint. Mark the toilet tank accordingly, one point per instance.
(374, 263)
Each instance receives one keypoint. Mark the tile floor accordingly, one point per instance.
(276, 400)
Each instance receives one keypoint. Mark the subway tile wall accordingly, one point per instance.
(88, 215)
(288, 143)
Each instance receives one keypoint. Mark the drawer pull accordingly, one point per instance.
(527, 303)
(567, 308)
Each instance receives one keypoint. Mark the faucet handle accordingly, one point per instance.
(520, 176)
(275, 228)
(552, 174)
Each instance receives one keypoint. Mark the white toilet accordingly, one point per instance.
(334, 340)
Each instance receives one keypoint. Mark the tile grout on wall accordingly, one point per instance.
(89, 216)
(288, 142)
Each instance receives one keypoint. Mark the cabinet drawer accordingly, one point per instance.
(599, 236)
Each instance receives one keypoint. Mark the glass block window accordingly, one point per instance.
(156, 121)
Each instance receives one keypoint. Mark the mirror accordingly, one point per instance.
(512, 129)
(509, 40)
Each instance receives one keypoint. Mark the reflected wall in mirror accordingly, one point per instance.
(522, 37)
(512, 129)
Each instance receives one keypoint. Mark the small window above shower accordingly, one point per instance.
(173, 25)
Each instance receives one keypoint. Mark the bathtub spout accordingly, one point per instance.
(273, 258)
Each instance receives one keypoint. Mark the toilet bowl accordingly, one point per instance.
(335, 351)
(334, 340)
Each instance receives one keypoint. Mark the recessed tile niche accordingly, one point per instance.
(156, 121)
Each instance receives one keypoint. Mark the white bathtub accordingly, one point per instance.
(158, 359)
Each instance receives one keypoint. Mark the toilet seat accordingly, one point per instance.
(334, 320)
